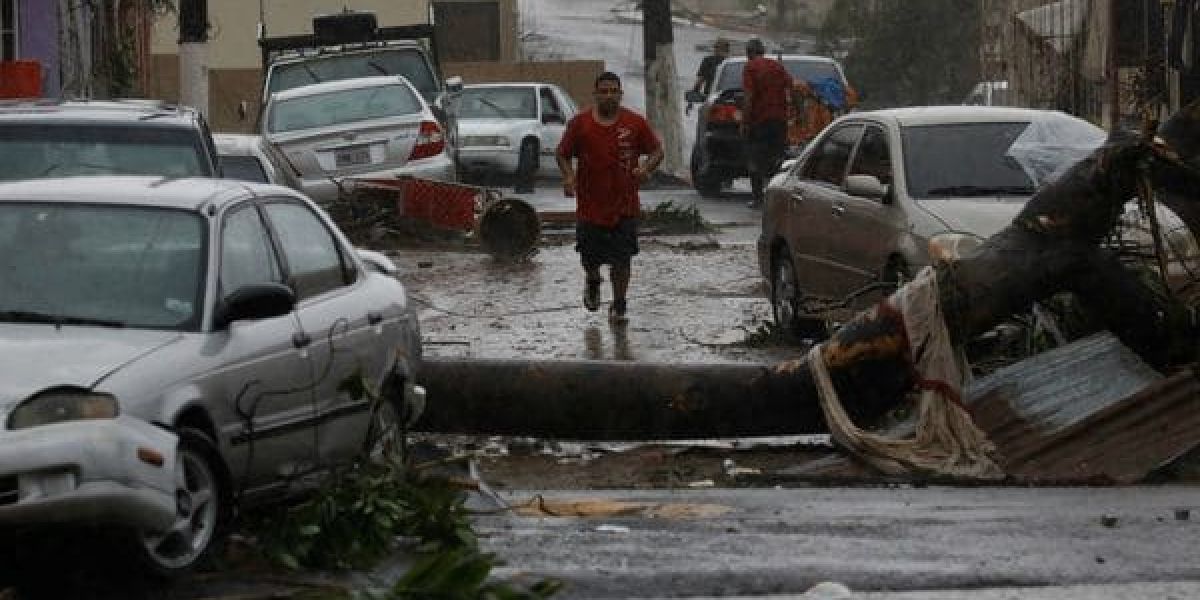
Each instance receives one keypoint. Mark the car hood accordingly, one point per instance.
(983, 217)
(35, 357)
(493, 126)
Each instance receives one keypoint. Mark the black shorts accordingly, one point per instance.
(766, 145)
(598, 245)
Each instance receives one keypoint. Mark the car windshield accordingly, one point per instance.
(807, 70)
(341, 107)
(498, 102)
(408, 62)
(62, 150)
(1006, 159)
(100, 264)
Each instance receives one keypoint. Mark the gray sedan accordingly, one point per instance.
(879, 192)
(171, 346)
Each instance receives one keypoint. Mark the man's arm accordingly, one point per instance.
(653, 151)
(568, 173)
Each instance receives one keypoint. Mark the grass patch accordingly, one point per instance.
(671, 218)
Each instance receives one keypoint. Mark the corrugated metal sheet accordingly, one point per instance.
(1088, 411)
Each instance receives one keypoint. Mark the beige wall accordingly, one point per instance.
(234, 24)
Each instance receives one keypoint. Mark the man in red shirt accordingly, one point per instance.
(767, 87)
(608, 142)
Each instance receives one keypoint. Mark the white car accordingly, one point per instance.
(244, 157)
(512, 128)
(169, 346)
(368, 127)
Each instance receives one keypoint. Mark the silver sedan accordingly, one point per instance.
(171, 346)
(368, 127)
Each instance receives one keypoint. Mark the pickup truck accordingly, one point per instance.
(349, 45)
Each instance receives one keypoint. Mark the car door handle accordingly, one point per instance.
(838, 210)
(301, 339)
(374, 317)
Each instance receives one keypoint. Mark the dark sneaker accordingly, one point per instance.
(591, 295)
(616, 313)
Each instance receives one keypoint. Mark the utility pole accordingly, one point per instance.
(193, 54)
(662, 87)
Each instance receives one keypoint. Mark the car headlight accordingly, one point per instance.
(950, 246)
(57, 406)
(485, 140)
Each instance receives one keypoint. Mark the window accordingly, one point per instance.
(8, 29)
(828, 161)
(873, 158)
(243, 168)
(314, 260)
(247, 256)
(550, 107)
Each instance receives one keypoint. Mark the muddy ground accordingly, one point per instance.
(693, 299)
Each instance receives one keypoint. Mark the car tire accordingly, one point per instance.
(202, 492)
(785, 301)
(527, 165)
(705, 183)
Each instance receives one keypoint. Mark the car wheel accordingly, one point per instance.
(785, 300)
(703, 180)
(527, 164)
(203, 506)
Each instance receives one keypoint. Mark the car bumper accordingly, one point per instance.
(725, 150)
(88, 473)
(488, 159)
(325, 191)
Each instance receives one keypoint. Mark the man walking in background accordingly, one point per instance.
(608, 142)
(768, 88)
(708, 69)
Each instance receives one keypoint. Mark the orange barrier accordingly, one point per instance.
(20, 79)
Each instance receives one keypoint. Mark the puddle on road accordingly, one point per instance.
(685, 305)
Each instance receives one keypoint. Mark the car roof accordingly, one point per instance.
(790, 57)
(504, 84)
(101, 112)
(943, 115)
(191, 193)
(353, 83)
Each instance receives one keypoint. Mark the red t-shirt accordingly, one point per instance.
(605, 187)
(769, 85)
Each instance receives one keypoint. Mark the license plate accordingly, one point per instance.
(352, 156)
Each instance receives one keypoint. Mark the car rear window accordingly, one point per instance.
(807, 70)
(343, 106)
(408, 62)
(498, 102)
(62, 150)
(243, 168)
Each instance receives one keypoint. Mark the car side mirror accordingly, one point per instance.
(255, 301)
(694, 97)
(454, 85)
(377, 261)
(866, 186)
(553, 119)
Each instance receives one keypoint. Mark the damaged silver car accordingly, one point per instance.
(171, 347)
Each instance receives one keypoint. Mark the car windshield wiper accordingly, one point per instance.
(29, 316)
(494, 106)
(982, 190)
